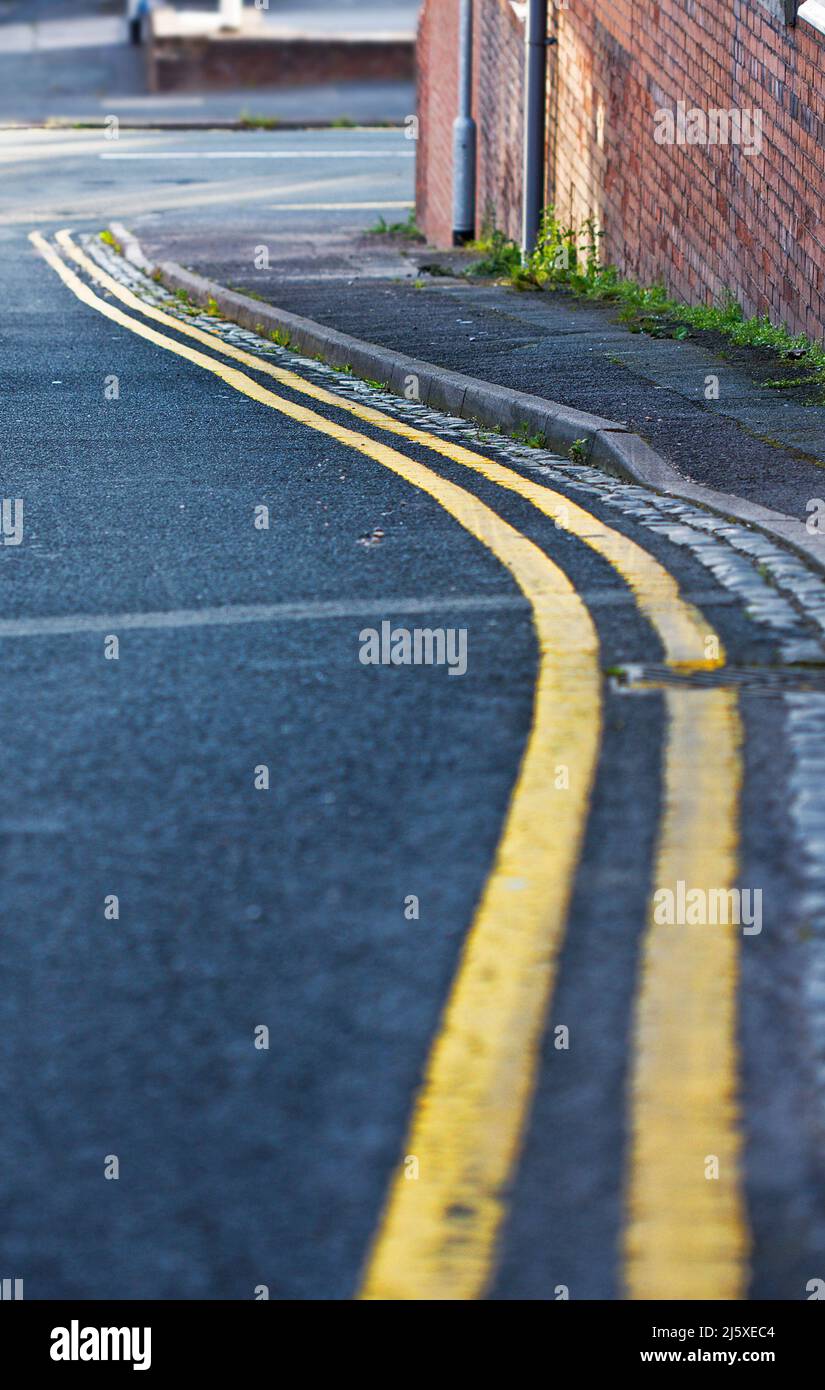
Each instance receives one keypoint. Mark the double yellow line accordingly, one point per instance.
(685, 1234)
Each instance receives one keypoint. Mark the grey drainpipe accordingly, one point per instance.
(464, 136)
(535, 86)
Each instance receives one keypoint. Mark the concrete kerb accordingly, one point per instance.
(497, 407)
(607, 444)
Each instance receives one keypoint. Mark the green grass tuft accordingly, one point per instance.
(111, 240)
(251, 122)
(407, 229)
(522, 435)
(569, 258)
(500, 257)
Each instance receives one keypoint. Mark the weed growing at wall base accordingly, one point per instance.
(568, 258)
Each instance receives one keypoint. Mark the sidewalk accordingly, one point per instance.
(759, 443)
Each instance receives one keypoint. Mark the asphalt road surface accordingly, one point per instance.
(388, 1004)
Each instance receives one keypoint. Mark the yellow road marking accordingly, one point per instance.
(685, 1042)
(685, 634)
(686, 1235)
(438, 1238)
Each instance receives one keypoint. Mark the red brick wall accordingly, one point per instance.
(437, 108)
(214, 64)
(701, 218)
(498, 63)
(498, 110)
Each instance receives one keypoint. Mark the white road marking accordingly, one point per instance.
(234, 614)
(108, 103)
(200, 195)
(331, 155)
(96, 31)
(333, 207)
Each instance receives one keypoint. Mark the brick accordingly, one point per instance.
(669, 212)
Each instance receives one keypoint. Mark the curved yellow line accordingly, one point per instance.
(685, 1028)
(438, 1236)
(688, 639)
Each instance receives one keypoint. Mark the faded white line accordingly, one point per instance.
(335, 207)
(96, 31)
(203, 195)
(331, 155)
(107, 103)
(231, 615)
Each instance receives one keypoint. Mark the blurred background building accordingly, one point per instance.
(277, 60)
